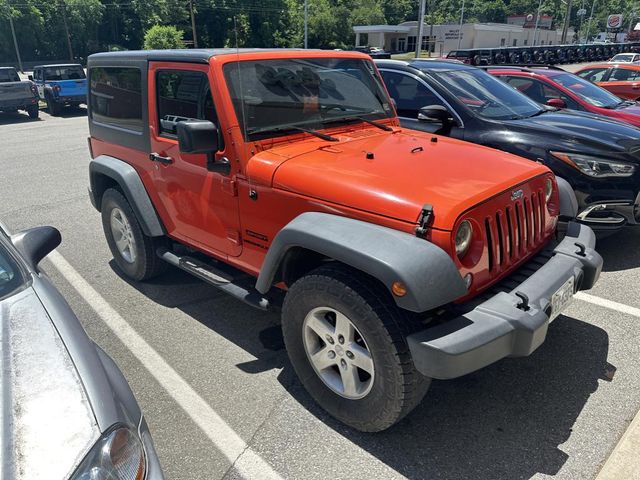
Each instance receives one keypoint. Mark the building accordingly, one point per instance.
(444, 38)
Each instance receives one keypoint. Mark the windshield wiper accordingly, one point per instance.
(379, 125)
(310, 131)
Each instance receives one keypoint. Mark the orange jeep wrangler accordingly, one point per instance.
(283, 177)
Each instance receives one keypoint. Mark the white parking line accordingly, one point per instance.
(603, 302)
(248, 463)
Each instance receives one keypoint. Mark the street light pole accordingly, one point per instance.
(15, 40)
(306, 24)
(460, 29)
(535, 30)
(567, 19)
(420, 28)
(193, 25)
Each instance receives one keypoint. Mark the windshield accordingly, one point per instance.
(72, 72)
(10, 275)
(9, 75)
(625, 57)
(586, 90)
(485, 95)
(295, 92)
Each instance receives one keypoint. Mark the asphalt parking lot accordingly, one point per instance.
(219, 393)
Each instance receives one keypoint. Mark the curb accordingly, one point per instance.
(624, 461)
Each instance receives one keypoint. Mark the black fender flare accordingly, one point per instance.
(132, 187)
(568, 199)
(389, 255)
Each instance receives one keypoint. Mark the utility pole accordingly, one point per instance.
(306, 24)
(66, 28)
(15, 40)
(420, 28)
(589, 24)
(460, 29)
(535, 30)
(193, 25)
(432, 46)
(567, 19)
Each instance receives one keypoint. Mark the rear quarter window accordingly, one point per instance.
(115, 97)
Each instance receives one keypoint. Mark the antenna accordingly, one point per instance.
(242, 105)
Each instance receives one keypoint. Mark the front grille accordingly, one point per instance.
(515, 231)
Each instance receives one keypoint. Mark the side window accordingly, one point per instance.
(549, 92)
(593, 74)
(409, 94)
(116, 97)
(528, 86)
(623, 75)
(182, 95)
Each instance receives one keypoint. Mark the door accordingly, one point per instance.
(201, 205)
(540, 91)
(623, 82)
(410, 94)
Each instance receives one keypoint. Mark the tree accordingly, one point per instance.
(162, 37)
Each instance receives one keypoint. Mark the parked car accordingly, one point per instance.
(68, 411)
(625, 58)
(289, 176)
(598, 157)
(60, 85)
(561, 89)
(472, 56)
(373, 52)
(16, 94)
(621, 79)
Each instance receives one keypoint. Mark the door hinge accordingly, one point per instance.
(425, 218)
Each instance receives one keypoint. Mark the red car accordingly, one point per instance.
(621, 79)
(561, 89)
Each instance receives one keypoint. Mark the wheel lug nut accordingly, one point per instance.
(340, 338)
(350, 354)
(330, 339)
(332, 354)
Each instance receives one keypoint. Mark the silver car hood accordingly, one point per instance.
(48, 425)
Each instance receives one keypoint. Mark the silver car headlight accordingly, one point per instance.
(595, 166)
(118, 455)
(463, 238)
(548, 189)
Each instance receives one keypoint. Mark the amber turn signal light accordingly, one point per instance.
(399, 289)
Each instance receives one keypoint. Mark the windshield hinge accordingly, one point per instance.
(425, 218)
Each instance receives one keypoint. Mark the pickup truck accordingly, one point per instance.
(16, 94)
(60, 85)
(284, 178)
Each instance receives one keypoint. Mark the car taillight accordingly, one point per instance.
(34, 90)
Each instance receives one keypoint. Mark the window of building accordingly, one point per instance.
(542, 42)
(515, 42)
(411, 43)
(503, 41)
(402, 44)
(526, 42)
(182, 95)
(116, 97)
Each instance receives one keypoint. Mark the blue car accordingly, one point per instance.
(60, 85)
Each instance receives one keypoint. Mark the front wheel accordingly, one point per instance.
(346, 341)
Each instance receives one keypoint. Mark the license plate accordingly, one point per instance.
(561, 298)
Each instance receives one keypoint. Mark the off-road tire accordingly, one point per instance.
(397, 387)
(53, 107)
(34, 112)
(147, 264)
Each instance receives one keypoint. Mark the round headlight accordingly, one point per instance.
(463, 238)
(548, 189)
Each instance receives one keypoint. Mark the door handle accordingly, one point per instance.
(155, 157)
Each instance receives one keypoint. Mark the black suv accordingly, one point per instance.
(600, 158)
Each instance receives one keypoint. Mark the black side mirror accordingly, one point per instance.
(36, 243)
(30, 77)
(435, 114)
(201, 136)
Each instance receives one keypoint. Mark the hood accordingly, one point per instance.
(393, 174)
(48, 424)
(578, 130)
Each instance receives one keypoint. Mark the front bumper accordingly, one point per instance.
(500, 327)
(153, 470)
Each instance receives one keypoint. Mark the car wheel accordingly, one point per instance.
(133, 251)
(52, 106)
(346, 341)
(33, 111)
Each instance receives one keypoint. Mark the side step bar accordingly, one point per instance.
(215, 277)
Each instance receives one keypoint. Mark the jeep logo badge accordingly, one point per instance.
(516, 194)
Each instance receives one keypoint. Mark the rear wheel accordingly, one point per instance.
(346, 341)
(133, 251)
(33, 111)
(52, 106)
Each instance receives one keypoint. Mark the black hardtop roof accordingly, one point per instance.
(197, 55)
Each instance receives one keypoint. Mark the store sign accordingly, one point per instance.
(614, 21)
(452, 34)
